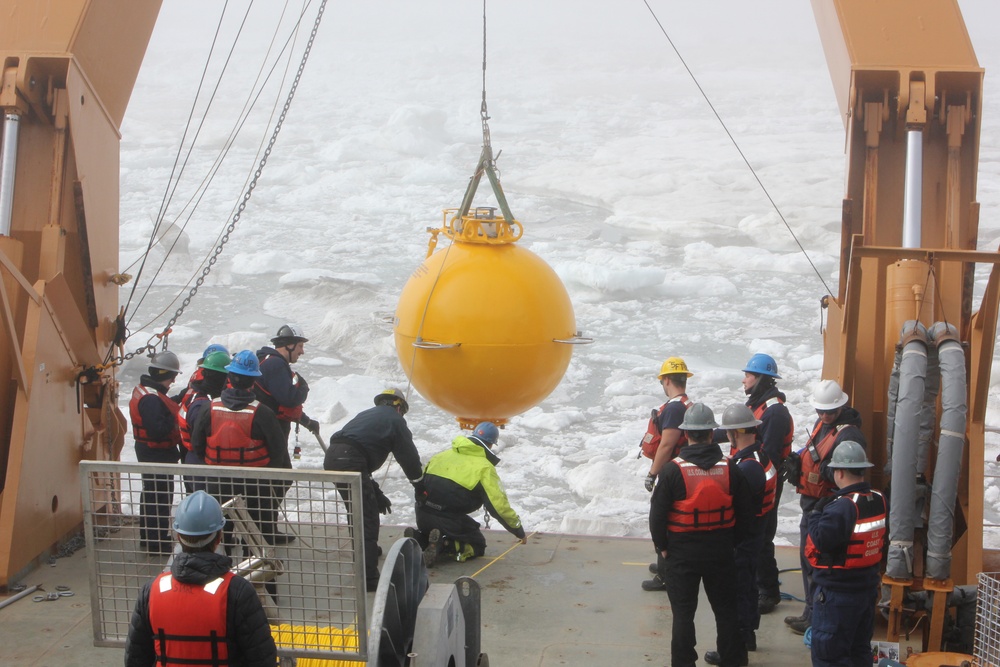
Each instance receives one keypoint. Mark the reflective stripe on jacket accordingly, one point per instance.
(189, 621)
(770, 482)
(867, 536)
(708, 501)
(140, 431)
(230, 443)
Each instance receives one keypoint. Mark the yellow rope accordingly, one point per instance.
(500, 557)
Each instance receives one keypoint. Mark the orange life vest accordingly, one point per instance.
(284, 413)
(651, 441)
(867, 539)
(139, 429)
(189, 621)
(708, 501)
(770, 482)
(811, 482)
(786, 442)
(230, 443)
(187, 400)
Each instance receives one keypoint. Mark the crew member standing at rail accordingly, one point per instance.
(157, 440)
(363, 445)
(199, 613)
(806, 469)
(238, 431)
(664, 438)
(701, 508)
(775, 433)
(279, 387)
(459, 481)
(844, 546)
(741, 430)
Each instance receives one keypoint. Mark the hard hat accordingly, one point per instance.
(487, 433)
(214, 347)
(674, 365)
(198, 514)
(762, 364)
(698, 417)
(217, 361)
(828, 395)
(849, 454)
(165, 361)
(245, 363)
(737, 416)
(393, 397)
(289, 334)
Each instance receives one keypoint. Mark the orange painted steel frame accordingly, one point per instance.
(900, 65)
(68, 71)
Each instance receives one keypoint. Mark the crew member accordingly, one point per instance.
(741, 430)
(197, 376)
(363, 445)
(157, 440)
(237, 430)
(844, 546)
(775, 433)
(700, 510)
(210, 383)
(836, 422)
(280, 388)
(460, 481)
(199, 613)
(664, 438)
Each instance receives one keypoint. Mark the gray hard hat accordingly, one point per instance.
(738, 415)
(698, 417)
(166, 361)
(849, 454)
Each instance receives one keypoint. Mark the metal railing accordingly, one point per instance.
(295, 535)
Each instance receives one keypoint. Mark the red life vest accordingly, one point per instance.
(189, 397)
(786, 442)
(770, 483)
(189, 621)
(139, 429)
(867, 538)
(230, 443)
(651, 441)
(708, 501)
(811, 482)
(283, 412)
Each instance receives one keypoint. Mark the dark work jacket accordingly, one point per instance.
(670, 488)
(265, 427)
(774, 423)
(756, 482)
(830, 529)
(376, 433)
(157, 419)
(248, 634)
(276, 377)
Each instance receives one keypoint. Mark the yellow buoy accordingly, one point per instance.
(483, 326)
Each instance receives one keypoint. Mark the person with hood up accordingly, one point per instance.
(807, 470)
(460, 481)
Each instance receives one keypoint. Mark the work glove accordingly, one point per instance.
(419, 492)
(384, 505)
(650, 482)
(792, 468)
(300, 381)
(310, 425)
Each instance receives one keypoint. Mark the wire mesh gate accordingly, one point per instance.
(296, 535)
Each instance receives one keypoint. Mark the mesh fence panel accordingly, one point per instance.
(986, 649)
(290, 533)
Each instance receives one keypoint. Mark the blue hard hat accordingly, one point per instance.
(762, 364)
(245, 363)
(198, 514)
(487, 433)
(214, 347)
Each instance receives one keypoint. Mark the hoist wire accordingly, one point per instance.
(248, 193)
(249, 104)
(739, 150)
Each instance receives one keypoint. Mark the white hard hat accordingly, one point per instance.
(828, 396)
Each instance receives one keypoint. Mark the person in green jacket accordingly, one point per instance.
(460, 481)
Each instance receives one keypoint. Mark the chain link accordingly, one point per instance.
(243, 204)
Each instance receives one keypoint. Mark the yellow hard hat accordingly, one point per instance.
(674, 365)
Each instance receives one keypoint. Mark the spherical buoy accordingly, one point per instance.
(483, 326)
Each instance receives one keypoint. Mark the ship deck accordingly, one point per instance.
(560, 599)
